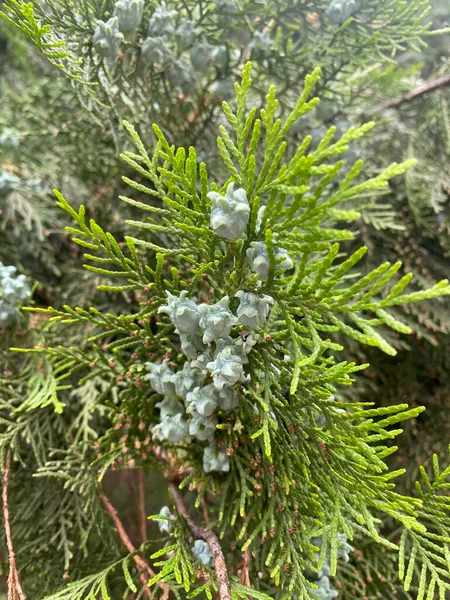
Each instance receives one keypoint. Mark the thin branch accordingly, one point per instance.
(14, 588)
(245, 573)
(426, 88)
(141, 506)
(140, 562)
(205, 511)
(210, 538)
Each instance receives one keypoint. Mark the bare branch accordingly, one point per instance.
(140, 562)
(245, 573)
(205, 511)
(210, 538)
(141, 506)
(426, 88)
(14, 588)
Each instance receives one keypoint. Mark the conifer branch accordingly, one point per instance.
(426, 88)
(14, 588)
(140, 562)
(210, 538)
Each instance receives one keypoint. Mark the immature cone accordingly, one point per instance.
(202, 552)
(162, 22)
(228, 399)
(339, 11)
(227, 368)
(7, 315)
(173, 429)
(9, 139)
(169, 407)
(224, 88)
(184, 34)
(246, 341)
(193, 347)
(324, 590)
(183, 313)
(201, 56)
(156, 50)
(164, 526)
(14, 290)
(202, 400)
(186, 379)
(107, 38)
(8, 183)
(253, 310)
(129, 14)
(258, 257)
(229, 213)
(219, 57)
(261, 41)
(343, 548)
(179, 73)
(216, 320)
(202, 428)
(7, 271)
(215, 459)
(160, 378)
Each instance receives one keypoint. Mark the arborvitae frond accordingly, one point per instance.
(320, 477)
(424, 558)
(98, 585)
(289, 470)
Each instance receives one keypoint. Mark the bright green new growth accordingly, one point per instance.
(289, 480)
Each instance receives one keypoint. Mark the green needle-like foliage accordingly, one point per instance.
(301, 464)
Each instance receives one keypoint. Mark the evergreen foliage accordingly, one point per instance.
(218, 337)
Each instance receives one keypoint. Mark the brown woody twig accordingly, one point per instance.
(426, 88)
(14, 588)
(210, 538)
(140, 562)
(141, 507)
(245, 573)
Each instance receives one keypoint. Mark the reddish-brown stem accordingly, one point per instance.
(141, 506)
(126, 541)
(426, 88)
(210, 538)
(14, 588)
(205, 511)
(245, 573)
